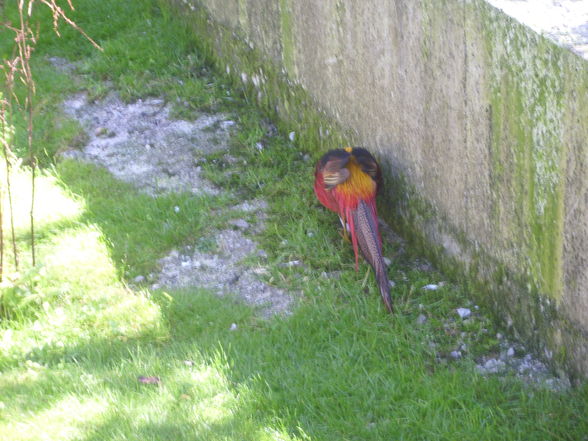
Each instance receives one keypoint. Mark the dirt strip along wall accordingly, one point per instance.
(480, 123)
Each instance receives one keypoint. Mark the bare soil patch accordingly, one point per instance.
(141, 144)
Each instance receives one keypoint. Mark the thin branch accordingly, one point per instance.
(8, 155)
(1, 234)
(25, 42)
(18, 68)
(58, 13)
(2, 134)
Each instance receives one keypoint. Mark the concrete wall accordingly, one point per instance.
(481, 124)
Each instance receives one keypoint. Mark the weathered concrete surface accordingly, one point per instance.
(564, 21)
(480, 122)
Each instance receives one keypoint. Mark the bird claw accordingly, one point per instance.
(345, 235)
(367, 273)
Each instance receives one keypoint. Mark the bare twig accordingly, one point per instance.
(25, 42)
(2, 135)
(6, 136)
(18, 69)
(1, 236)
(58, 13)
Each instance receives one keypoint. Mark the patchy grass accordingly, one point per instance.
(140, 229)
(75, 338)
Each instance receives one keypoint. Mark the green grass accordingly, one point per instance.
(140, 229)
(74, 336)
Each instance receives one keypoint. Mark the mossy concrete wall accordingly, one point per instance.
(481, 124)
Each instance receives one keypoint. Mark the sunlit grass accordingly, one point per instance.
(68, 419)
(138, 228)
(74, 293)
(53, 204)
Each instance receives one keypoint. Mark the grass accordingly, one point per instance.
(75, 336)
(139, 228)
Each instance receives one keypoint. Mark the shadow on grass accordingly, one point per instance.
(338, 368)
(326, 372)
(138, 228)
(333, 369)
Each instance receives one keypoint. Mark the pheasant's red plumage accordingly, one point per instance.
(346, 182)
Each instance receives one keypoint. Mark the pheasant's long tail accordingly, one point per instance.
(365, 224)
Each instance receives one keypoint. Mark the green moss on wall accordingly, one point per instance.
(525, 89)
(287, 36)
(243, 16)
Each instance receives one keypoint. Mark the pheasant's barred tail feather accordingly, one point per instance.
(366, 231)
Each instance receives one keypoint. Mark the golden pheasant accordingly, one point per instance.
(346, 182)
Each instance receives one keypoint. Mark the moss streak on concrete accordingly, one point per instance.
(243, 17)
(287, 36)
(528, 156)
